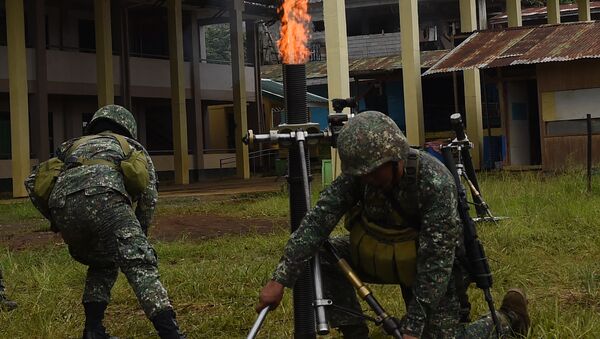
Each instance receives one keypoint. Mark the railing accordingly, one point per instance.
(253, 156)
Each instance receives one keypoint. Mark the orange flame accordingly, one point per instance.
(294, 32)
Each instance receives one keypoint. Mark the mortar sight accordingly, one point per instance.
(340, 104)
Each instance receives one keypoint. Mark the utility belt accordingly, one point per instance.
(386, 254)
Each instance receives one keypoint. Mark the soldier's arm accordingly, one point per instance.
(315, 228)
(438, 239)
(147, 201)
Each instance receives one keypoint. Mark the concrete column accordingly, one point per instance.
(104, 66)
(180, 143)
(482, 13)
(513, 10)
(199, 145)
(338, 75)
(253, 50)
(19, 109)
(40, 124)
(583, 7)
(239, 87)
(472, 87)
(553, 11)
(124, 70)
(411, 72)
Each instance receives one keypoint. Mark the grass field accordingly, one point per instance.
(549, 247)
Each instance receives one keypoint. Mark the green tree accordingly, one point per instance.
(218, 46)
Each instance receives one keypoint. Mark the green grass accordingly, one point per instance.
(549, 247)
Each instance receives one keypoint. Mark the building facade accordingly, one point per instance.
(63, 77)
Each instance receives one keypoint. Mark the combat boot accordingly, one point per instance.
(94, 314)
(514, 306)
(6, 304)
(165, 324)
(356, 331)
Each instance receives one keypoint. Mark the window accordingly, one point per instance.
(87, 35)
(148, 34)
(319, 26)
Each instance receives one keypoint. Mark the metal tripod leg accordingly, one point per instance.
(482, 204)
(322, 327)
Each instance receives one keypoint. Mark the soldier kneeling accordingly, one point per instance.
(401, 212)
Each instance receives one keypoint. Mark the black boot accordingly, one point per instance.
(356, 331)
(6, 304)
(94, 314)
(165, 324)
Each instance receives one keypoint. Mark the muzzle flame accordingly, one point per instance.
(294, 32)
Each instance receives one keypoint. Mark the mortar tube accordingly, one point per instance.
(296, 108)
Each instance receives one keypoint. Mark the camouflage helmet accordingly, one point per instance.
(368, 141)
(118, 115)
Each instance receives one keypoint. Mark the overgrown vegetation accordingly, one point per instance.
(549, 247)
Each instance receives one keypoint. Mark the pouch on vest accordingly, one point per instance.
(388, 255)
(134, 167)
(40, 183)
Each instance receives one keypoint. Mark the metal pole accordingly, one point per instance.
(258, 323)
(589, 152)
(320, 317)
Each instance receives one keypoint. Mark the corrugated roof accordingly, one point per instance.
(522, 46)
(275, 89)
(357, 67)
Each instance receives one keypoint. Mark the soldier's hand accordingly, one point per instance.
(270, 295)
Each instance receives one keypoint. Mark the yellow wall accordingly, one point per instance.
(217, 126)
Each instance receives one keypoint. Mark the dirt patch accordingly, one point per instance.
(198, 227)
(580, 298)
(165, 228)
(26, 236)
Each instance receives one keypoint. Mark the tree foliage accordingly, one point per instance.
(218, 46)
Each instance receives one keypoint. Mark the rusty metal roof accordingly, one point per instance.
(522, 46)
(357, 67)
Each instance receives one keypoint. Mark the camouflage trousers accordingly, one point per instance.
(2, 288)
(103, 233)
(444, 322)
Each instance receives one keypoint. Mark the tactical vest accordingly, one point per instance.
(387, 255)
(41, 181)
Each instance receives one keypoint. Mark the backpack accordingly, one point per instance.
(42, 179)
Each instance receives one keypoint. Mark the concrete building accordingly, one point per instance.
(149, 56)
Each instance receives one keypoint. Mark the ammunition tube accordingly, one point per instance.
(361, 288)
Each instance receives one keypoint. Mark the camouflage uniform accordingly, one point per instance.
(5, 303)
(429, 204)
(93, 211)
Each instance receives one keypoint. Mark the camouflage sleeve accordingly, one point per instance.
(334, 202)
(438, 238)
(148, 199)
